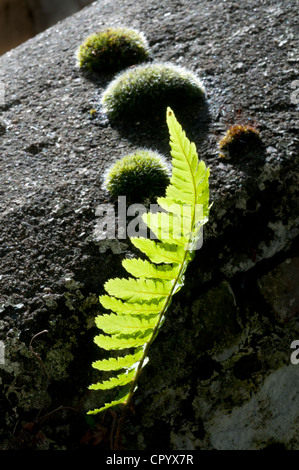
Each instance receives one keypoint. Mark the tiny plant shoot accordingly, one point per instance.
(140, 303)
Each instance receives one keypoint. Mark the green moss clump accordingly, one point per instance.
(146, 90)
(138, 176)
(239, 138)
(113, 49)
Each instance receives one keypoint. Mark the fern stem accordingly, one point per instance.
(165, 307)
(140, 365)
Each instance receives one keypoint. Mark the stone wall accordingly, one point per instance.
(220, 374)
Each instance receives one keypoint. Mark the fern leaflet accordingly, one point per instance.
(139, 303)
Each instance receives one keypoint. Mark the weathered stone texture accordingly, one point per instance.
(219, 374)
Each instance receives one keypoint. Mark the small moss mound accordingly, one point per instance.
(113, 49)
(147, 90)
(140, 175)
(238, 140)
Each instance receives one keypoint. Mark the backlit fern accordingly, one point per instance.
(140, 303)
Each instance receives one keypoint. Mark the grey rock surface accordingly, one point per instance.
(228, 365)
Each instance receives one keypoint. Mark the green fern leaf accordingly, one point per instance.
(159, 252)
(171, 228)
(137, 289)
(139, 303)
(143, 268)
(140, 308)
(125, 324)
(121, 399)
(120, 380)
(117, 363)
(122, 341)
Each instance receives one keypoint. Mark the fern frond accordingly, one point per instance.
(121, 399)
(137, 289)
(139, 303)
(143, 268)
(173, 228)
(115, 342)
(139, 308)
(159, 252)
(125, 324)
(117, 363)
(119, 381)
